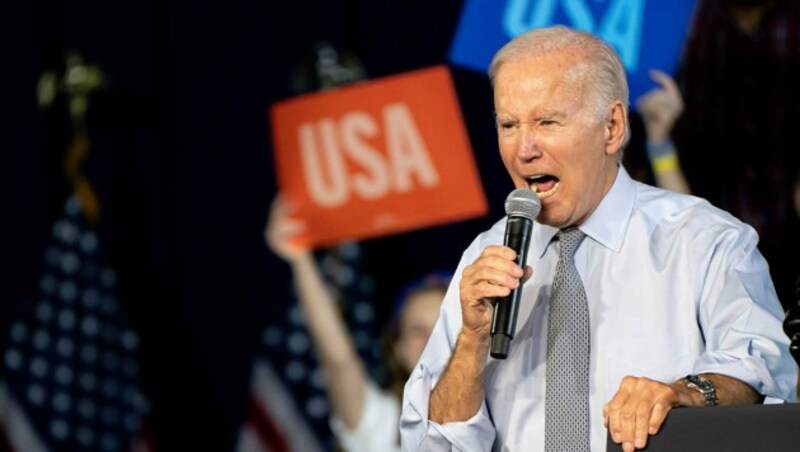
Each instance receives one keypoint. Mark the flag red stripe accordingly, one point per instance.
(5, 442)
(265, 427)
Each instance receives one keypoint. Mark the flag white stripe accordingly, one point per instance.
(274, 398)
(19, 430)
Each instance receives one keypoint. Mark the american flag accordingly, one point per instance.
(289, 407)
(70, 369)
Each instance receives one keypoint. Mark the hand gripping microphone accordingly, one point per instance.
(522, 207)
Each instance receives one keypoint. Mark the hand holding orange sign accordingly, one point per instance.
(376, 158)
(281, 232)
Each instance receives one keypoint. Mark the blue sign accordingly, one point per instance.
(646, 34)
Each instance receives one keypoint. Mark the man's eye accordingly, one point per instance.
(507, 125)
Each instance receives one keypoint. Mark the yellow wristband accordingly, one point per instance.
(666, 163)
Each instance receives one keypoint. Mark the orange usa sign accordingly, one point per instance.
(376, 158)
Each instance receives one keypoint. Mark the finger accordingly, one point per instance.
(279, 205)
(651, 102)
(635, 414)
(624, 410)
(655, 400)
(485, 266)
(493, 274)
(665, 81)
(627, 424)
(283, 233)
(646, 99)
(658, 416)
(281, 224)
(502, 260)
(499, 251)
(528, 274)
(274, 219)
(613, 410)
(280, 210)
(292, 227)
(643, 413)
(499, 274)
(488, 282)
(476, 291)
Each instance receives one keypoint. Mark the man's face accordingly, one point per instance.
(552, 140)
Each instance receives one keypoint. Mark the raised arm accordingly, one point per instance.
(660, 108)
(344, 371)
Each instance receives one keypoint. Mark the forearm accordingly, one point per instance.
(666, 165)
(729, 391)
(342, 366)
(459, 393)
(672, 180)
(324, 321)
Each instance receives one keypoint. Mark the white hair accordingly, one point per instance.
(599, 67)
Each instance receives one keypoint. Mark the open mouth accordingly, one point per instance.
(543, 184)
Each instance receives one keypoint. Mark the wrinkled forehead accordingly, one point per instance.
(568, 66)
(523, 84)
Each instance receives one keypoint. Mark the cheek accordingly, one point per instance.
(410, 349)
(507, 151)
(581, 162)
(508, 155)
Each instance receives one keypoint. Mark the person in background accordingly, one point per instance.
(365, 417)
(737, 137)
(660, 108)
(673, 303)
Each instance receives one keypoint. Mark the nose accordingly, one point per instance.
(528, 148)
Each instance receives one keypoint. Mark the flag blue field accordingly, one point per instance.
(70, 369)
(289, 408)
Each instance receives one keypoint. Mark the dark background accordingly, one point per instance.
(181, 161)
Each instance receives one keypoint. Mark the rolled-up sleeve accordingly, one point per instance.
(417, 432)
(742, 321)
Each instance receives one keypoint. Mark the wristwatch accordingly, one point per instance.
(703, 386)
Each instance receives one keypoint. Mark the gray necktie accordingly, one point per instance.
(567, 393)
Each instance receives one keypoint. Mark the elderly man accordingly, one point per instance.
(635, 301)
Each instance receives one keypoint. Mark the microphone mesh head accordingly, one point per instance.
(523, 202)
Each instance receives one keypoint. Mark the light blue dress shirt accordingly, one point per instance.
(674, 286)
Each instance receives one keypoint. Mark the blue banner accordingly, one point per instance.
(647, 34)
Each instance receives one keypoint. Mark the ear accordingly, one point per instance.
(616, 125)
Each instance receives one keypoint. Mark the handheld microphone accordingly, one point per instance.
(522, 208)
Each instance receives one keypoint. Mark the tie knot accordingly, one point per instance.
(570, 238)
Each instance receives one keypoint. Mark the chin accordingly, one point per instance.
(546, 219)
(555, 221)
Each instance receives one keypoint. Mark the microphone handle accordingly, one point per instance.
(504, 319)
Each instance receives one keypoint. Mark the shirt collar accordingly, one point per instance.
(609, 222)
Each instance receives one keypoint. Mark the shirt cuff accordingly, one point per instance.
(476, 433)
(419, 433)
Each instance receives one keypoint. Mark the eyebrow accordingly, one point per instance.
(549, 114)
